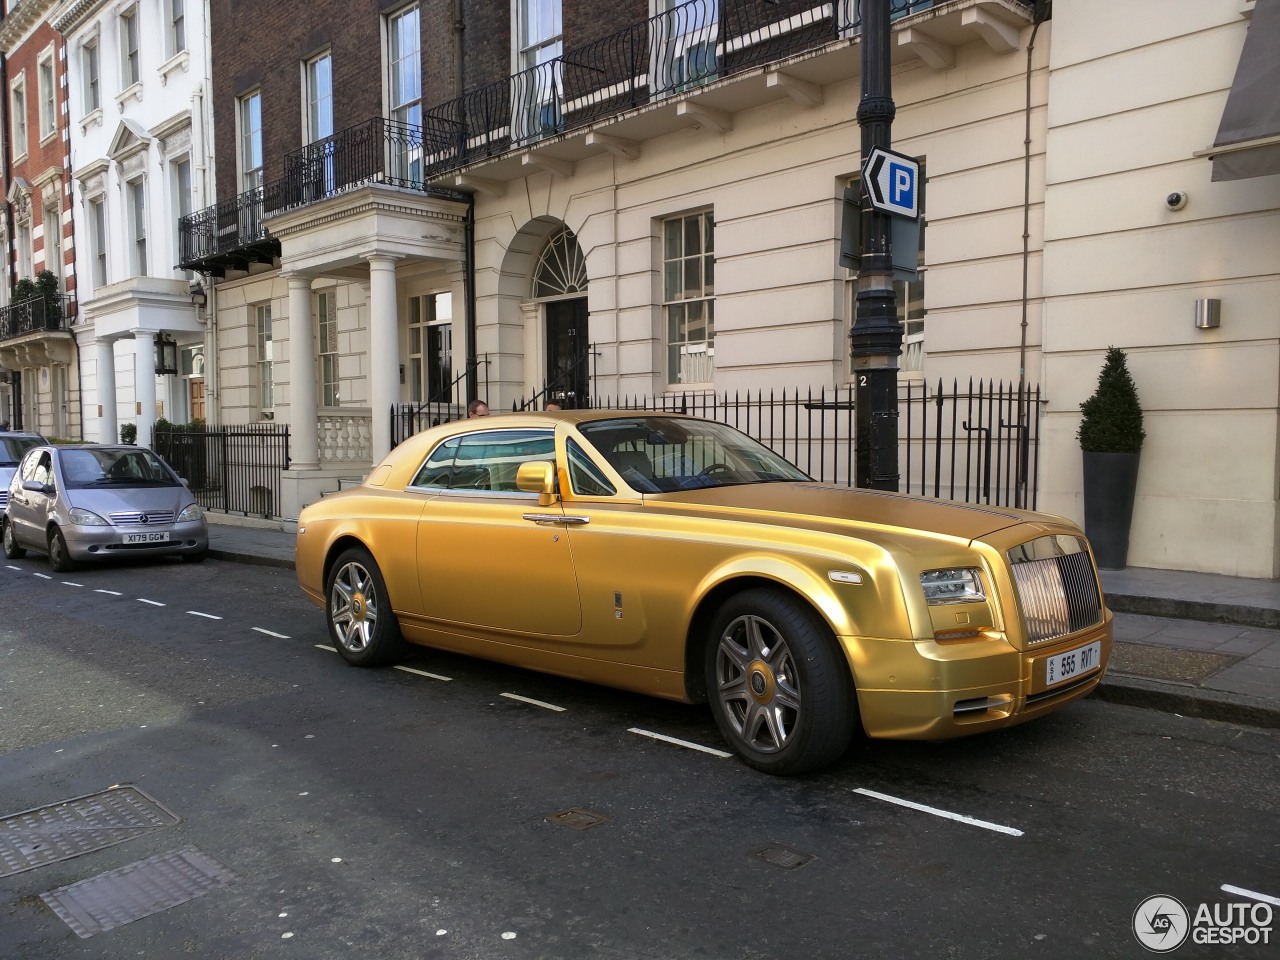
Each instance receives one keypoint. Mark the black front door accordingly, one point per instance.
(568, 376)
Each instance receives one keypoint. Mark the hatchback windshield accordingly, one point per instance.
(663, 454)
(12, 449)
(106, 466)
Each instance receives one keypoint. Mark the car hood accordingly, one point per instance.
(131, 500)
(819, 502)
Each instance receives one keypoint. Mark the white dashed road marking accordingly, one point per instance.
(321, 646)
(207, 616)
(68, 583)
(532, 702)
(154, 603)
(1242, 892)
(113, 593)
(679, 743)
(423, 673)
(958, 817)
(43, 576)
(272, 633)
(10, 566)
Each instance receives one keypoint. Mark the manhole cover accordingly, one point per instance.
(64, 830)
(782, 857)
(1167, 663)
(135, 891)
(578, 818)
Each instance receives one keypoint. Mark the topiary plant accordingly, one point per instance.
(128, 433)
(1112, 417)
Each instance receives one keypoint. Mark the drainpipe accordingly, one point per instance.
(469, 282)
(459, 28)
(8, 177)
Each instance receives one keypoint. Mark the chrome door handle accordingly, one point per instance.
(556, 518)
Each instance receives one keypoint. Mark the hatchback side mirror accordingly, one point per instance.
(35, 486)
(538, 476)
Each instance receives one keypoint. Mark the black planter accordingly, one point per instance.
(1110, 484)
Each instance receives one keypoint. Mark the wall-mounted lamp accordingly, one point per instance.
(166, 354)
(1208, 313)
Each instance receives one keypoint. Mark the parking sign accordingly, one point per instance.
(893, 182)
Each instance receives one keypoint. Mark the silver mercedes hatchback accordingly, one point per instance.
(91, 502)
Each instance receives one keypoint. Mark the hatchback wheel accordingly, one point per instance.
(361, 623)
(780, 690)
(59, 556)
(11, 549)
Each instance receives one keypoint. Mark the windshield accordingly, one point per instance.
(12, 449)
(663, 454)
(110, 467)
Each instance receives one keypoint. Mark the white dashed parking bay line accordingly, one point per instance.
(679, 743)
(322, 646)
(113, 593)
(271, 633)
(154, 603)
(42, 576)
(10, 566)
(536, 703)
(1252, 895)
(423, 673)
(68, 583)
(937, 812)
(207, 616)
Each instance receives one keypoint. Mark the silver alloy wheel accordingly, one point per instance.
(757, 684)
(353, 606)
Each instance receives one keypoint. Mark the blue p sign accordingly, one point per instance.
(902, 185)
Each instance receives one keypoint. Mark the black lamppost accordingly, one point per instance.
(876, 339)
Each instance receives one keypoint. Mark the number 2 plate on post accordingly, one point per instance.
(1065, 666)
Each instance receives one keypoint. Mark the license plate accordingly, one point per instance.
(1065, 666)
(146, 538)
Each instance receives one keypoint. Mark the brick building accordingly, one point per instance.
(39, 362)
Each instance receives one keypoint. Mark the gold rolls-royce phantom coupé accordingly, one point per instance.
(677, 557)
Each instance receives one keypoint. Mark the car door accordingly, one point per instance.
(29, 509)
(490, 558)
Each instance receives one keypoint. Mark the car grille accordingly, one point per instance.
(1057, 587)
(4, 499)
(135, 518)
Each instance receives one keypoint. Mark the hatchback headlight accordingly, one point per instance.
(191, 512)
(957, 585)
(87, 518)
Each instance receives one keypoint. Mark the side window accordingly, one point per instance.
(436, 472)
(43, 472)
(490, 460)
(585, 477)
(29, 464)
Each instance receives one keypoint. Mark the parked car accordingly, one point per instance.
(13, 444)
(89, 502)
(678, 557)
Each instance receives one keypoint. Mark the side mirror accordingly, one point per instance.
(538, 476)
(35, 486)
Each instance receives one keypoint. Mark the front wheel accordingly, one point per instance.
(781, 693)
(59, 556)
(361, 623)
(11, 549)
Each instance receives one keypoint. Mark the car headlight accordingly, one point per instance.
(191, 512)
(87, 518)
(957, 585)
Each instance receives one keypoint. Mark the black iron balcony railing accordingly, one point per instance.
(35, 315)
(674, 52)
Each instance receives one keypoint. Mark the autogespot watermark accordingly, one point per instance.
(1162, 924)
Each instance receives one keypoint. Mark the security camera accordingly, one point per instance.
(1176, 200)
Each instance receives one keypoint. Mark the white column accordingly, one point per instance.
(108, 430)
(384, 350)
(144, 383)
(303, 448)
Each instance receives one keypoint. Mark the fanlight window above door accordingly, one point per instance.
(561, 268)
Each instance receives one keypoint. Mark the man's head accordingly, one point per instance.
(477, 408)
(552, 405)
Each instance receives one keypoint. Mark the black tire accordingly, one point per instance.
(780, 689)
(11, 549)
(59, 557)
(361, 623)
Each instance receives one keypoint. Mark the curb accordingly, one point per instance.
(1187, 701)
(251, 559)
(1205, 611)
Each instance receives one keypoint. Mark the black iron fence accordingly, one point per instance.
(235, 469)
(34, 315)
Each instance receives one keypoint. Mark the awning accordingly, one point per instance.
(1248, 140)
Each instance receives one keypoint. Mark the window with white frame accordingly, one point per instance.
(136, 197)
(537, 95)
(98, 238)
(908, 298)
(180, 179)
(327, 347)
(688, 296)
(320, 97)
(53, 238)
(48, 97)
(26, 249)
(404, 62)
(176, 10)
(18, 114)
(262, 339)
(251, 141)
(430, 348)
(684, 44)
(90, 68)
(130, 49)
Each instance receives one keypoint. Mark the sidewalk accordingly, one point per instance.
(1198, 644)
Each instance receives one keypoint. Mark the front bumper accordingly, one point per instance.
(105, 543)
(922, 690)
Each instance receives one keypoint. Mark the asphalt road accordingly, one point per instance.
(396, 814)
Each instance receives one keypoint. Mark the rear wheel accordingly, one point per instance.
(59, 556)
(780, 690)
(361, 623)
(11, 549)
